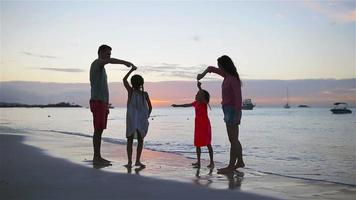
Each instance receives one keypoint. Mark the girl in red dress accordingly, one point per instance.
(202, 130)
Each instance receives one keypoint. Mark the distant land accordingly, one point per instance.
(264, 93)
(19, 105)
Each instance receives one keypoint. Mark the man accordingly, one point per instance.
(99, 101)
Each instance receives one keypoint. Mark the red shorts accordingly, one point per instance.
(100, 112)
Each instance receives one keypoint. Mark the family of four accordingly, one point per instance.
(139, 109)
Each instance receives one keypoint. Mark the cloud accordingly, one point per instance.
(327, 92)
(39, 55)
(196, 38)
(72, 70)
(281, 15)
(338, 11)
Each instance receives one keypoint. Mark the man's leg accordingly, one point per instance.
(97, 145)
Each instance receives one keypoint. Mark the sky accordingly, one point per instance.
(173, 41)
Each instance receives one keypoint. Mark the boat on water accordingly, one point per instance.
(247, 104)
(287, 104)
(340, 108)
(303, 106)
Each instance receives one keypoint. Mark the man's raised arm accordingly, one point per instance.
(104, 61)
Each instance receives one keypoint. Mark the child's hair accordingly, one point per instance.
(206, 96)
(137, 81)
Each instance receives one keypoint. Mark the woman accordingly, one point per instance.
(231, 105)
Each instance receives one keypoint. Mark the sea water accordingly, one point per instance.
(307, 143)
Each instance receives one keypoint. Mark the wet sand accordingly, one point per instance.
(43, 166)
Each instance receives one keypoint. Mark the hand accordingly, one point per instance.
(199, 84)
(200, 76)
(174, 105)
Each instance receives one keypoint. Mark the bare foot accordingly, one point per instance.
(196, 165)
(128, 165)
(239, 165)
(104, 160)
(100, 160)
(211, 165)
(226, 170)
(139, 164)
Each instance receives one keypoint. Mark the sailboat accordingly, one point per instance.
(287, 104)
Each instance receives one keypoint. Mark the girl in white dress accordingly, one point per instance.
(138, 111)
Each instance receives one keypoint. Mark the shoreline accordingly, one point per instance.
(32, 174)
(162, 166)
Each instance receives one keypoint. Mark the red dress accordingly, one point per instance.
(202, 130)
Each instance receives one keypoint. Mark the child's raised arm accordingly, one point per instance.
(199, 85)
(126, 83)
(182, 105)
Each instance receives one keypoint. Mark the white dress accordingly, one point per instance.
(137, 115)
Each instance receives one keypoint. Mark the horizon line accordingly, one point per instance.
(337, 79)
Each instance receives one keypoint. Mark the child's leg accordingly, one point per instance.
(139, 150)
(198, 151)
(211, 155)
(129, 151)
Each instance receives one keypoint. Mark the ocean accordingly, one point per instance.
(302, 143)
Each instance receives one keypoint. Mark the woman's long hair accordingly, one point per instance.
(226, 63)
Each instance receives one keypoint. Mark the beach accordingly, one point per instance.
(37, 165)
(28, 172)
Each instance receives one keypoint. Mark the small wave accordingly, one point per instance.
(105, 139)
(289, 158)
(158, 115)
(167, 147)
(6, 129)
(307, 179)
(114, 141)
(69, 133)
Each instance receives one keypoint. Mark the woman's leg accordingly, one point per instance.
(240, 161)
(231, 131)
(129, 150)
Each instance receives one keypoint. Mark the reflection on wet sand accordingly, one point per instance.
(234, 180)
(137, 170)
(101, 165)
(202, 181)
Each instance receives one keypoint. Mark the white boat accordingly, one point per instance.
(340, 108)
(247, 104)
